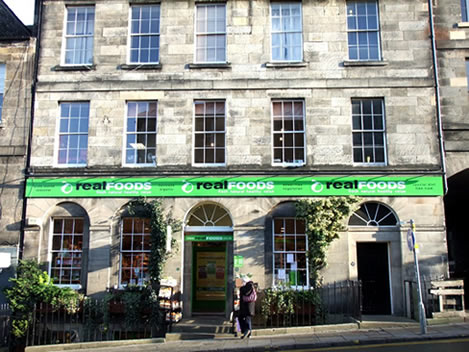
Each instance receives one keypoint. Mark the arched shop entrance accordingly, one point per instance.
(376, 240)
(208, 257)
(456, 227)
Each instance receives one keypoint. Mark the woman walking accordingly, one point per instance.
(248, 297)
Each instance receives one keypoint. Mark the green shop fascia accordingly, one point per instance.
(236, 186)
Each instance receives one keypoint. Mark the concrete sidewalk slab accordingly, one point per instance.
(275, 339)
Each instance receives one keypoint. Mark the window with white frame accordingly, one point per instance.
(373, 214)
(2, 88)
(209, 132)
(288, 132)
(287, 35)
(145, 34)
(363, 30)
(79, 32)
(368, 130)
(140, 147)
(73, 134)
(67, 251)
(290, 247)
(134, 251)
(465, 10)
(210, 33)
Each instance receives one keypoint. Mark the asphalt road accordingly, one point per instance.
(452, 345)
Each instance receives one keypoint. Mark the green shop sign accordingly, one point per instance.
(205, 238)
(238, 186)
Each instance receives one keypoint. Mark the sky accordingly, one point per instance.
(23, 9)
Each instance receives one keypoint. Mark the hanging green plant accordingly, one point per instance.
(324, 222)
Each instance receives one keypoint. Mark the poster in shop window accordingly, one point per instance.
(210, 276)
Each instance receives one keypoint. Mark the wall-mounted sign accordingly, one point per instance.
(240, 186)
(238, 261)
(204, 238)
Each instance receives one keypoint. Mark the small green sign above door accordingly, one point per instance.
(207, 238)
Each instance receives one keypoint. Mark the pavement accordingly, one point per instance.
(366, 332)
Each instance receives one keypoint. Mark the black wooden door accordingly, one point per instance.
(373, 272)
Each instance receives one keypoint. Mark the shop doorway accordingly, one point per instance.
(373, 272)
(208, 257)
(209, 277)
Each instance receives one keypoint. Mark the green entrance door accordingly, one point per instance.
(209, 277)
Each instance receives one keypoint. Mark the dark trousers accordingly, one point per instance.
(245, 323)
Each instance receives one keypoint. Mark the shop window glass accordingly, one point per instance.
(290, 246)
(67, 251)
(134, 251)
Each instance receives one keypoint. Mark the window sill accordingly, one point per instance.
(140, 67)
(139, 166)
(463, 25)
(369, 164)
(74, 68)
(75, 287)
(285, 64)
(209, 65)
(357, 63)
(209, 165)
(70, 166)
(289, 165)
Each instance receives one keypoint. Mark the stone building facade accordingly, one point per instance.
(228, 112)
(17, 48)
(452, 43)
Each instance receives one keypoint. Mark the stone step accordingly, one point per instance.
(205, 325)
(178, 336)
(207, 329)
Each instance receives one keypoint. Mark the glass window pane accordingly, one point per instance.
(379, 139)
(199, 156)
(279, 226)
(357, 139)
(290, 226)
(219, 156)
(56, 243)
(301, 243)
(367, 122)
(299, 140)
(357, 122)
(278, 243)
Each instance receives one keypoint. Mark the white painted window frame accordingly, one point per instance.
(131, 35)
(378, 31)
(274, 281)
(126, 133)
(121, 251)
(465, 10)
(282, 163)
(286, 3)
(50, 250)
(58, 134)
(362, 130)
(66, 36)
(214, 164)
(199, 6)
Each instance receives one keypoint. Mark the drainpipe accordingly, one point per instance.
(38, 23)
(437, 96)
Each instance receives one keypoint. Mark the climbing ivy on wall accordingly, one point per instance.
(324, 221)
(158, 229)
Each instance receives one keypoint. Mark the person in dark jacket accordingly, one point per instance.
(248, 296)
